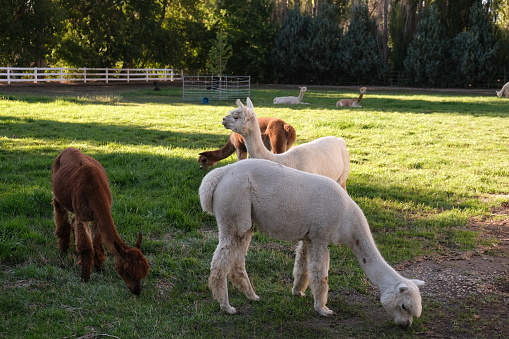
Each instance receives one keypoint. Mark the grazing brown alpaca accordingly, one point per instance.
(80, 186)
(277, 136)
(352, 102)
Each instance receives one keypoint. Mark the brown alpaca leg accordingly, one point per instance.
(300, 270)
(62, 226)
(84, 248)
(99, 252)
(238, 274)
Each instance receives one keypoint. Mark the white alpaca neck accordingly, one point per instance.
(360, 241)
(253, 140)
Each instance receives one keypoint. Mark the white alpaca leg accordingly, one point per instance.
(318, 256)
(219, 269)
(300, 270)
(238, 274)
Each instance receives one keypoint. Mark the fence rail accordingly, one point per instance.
(214, 87)
(64, 74)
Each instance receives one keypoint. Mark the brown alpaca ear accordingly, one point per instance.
(120, 250)
(138, 241)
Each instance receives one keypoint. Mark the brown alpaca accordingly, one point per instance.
(80, 186)
(277, 136)
(352, 102)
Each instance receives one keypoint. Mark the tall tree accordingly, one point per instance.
(28, 31)
(427, 62)
(475, 50)
(250, 30)
(359, 57)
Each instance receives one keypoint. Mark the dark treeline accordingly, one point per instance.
(434, 43)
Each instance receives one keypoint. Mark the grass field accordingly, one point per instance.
(422, 165)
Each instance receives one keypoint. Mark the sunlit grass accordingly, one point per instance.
(422, 165)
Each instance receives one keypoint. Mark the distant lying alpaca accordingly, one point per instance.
(292, 100)
(277, 136)
(504, 91)
(352, 102)
(325, 156)
(80, 186)
(292, 205)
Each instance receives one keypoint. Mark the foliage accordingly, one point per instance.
(250, 30)
(219, 54)
(474, 51)
(291, 47)
(359, 57)
(28, 31)
(428, 54)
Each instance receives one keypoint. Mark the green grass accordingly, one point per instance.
(422, 165)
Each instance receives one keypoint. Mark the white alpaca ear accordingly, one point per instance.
(418, 282)
(402, 288)
(239, 103)
(249, 103)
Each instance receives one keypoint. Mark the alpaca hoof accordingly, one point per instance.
(254, 297)
(229, 309)
(298, 293)
(324, 311)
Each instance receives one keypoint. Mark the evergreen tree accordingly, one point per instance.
(291, 50)
(475, 50)
(359, 57)
(321, 55)
(427, 62)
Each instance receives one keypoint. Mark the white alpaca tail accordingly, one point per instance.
(208, 187)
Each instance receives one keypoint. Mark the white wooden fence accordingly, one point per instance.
(64, 74)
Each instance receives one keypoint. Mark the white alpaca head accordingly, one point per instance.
(403, 302)
(499, 94)
(303, 89)
(237, 119)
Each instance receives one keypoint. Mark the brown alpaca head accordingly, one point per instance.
(206, 160)
(132, 266)
(363, 90)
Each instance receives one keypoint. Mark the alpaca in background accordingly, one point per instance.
(292, 100)
(504, 91)
(80, 186)
(352, 102)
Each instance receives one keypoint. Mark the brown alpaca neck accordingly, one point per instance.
(222, 153)
(360, 98)
(109, 233)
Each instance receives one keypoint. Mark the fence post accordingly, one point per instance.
(128, 75)
(35, 75)
(9, 75)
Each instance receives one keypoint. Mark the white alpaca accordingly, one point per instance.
(325, 156)
(504, 91)
(352, 102)
(292, 205)
(292, 100)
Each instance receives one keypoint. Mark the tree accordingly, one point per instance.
(28, 31)
(291, 47)
(219, 54)
(250, 30)
(359, 57)
(475, 50)
(427, 62)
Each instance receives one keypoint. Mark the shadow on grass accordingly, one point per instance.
(15, 128)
